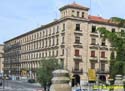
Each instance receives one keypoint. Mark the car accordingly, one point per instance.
(31, 80)
(0, 82)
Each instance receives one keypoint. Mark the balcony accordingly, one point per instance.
(104, 59)
(102, 71)
(78, 45)
(77, 71)
(94, 58)
(93, 46)
(104, 47)
(78, 58)
(94, 34)
(78, 32)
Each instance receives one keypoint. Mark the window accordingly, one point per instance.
(92, 65)
(93, 41)
(57, 29)
(77, 39)
(50, 32)
(46, 42)
(46, 32)
(62, 52)
(53, 53)
(56, 52)
(122, 32)
(62, 63)
(76, 52)
(113, 30)
(93, 29)
(73, 12)
(102, 54)
(92, 53)
(49, 53)
(46, 53)
(112, 55)
(76, 66)
(53, 30)
(77, 13)
(63, 26)
(49, 42)
(102, 66)
(77, 27)
(103, 42)
(57, 40)
(39, 55)
(62, 39)
(43, 44)
(43, 33)
(82, 14)
(53, 41)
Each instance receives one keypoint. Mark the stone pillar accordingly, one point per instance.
(118, 85)
(60, 81)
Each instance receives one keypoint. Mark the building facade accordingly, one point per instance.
(72, 39)
(1, 57)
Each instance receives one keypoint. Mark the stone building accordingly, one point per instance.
(72, 39)
(1, 57)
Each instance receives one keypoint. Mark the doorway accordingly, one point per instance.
(75, 80)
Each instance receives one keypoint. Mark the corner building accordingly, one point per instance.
(72, 39)
(1, 58)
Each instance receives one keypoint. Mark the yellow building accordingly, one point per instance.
(72, 39)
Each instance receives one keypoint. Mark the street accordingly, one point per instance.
(19, 86)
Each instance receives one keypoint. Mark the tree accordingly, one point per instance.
(117, 40)
(44, 72)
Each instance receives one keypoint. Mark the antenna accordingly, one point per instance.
(90, 3)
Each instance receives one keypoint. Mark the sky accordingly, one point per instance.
(20, 16)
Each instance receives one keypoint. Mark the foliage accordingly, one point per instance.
(119, 21)
(117, 40)
(44, 72)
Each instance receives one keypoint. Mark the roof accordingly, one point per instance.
(98, 19)
(74, 5)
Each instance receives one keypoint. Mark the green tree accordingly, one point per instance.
(117, 40)
(44, 72)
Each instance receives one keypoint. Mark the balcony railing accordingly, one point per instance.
(78, 31)
(104, 58)
(77, 57)
(102, 71)
(94, 34)
(79, 71)
(94, 58)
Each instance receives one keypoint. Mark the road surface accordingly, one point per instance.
(19, 86)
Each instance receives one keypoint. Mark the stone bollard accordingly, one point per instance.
(60, 81)
(118, 85)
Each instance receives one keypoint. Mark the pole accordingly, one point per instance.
(99, 62)
(3, 82)
(90, 6)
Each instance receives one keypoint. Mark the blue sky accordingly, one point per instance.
(20, 16)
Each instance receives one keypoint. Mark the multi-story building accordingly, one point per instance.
(72, 39)
(1, 57)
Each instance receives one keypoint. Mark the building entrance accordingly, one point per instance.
(75, 80)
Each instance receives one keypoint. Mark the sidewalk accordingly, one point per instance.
(25, 81)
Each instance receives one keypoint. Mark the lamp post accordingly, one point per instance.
(99, 63)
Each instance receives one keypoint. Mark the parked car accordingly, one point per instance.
(31, 80)
(0, 82)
